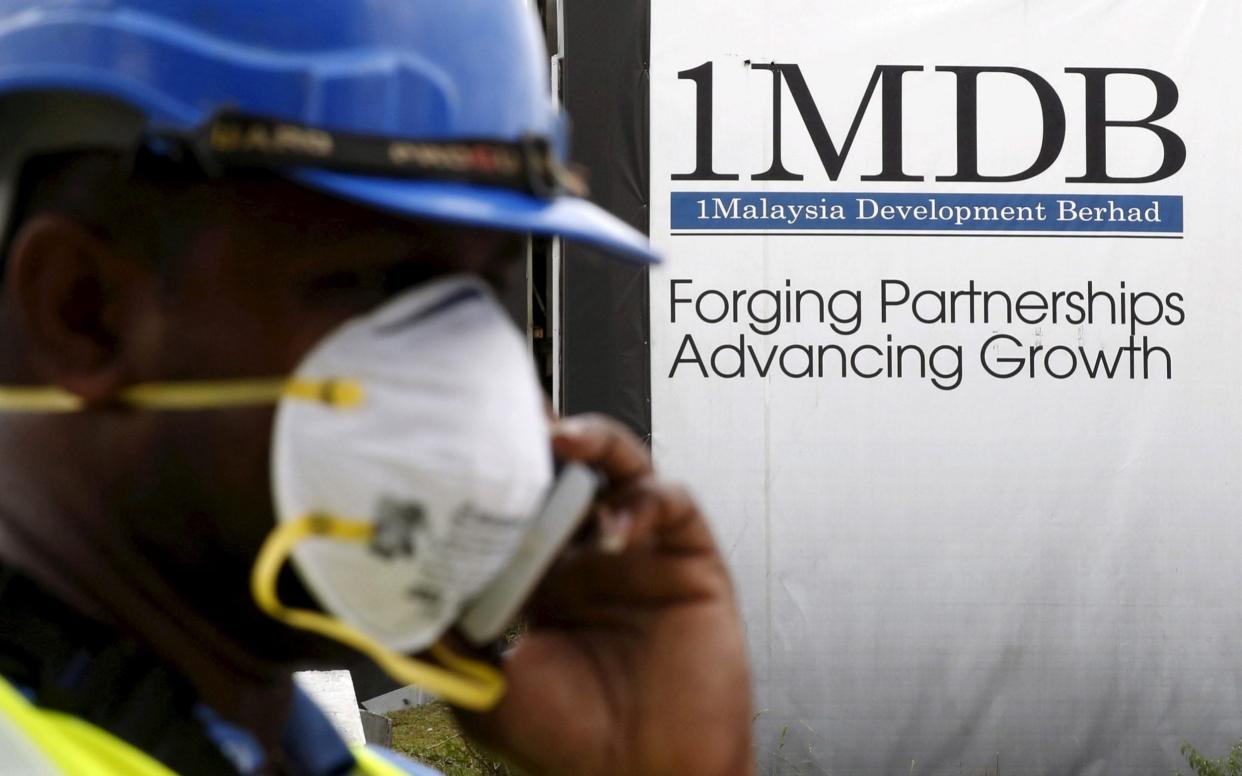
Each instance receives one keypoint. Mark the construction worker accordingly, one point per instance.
(260, 409)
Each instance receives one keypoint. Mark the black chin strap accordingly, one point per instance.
(73, 665)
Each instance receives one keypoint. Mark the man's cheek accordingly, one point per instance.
(215, 466)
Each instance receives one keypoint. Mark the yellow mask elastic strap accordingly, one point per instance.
(467, 683)
(213, 394)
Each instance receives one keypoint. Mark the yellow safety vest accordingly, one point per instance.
(41, 742)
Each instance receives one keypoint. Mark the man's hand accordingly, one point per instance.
(634, 662)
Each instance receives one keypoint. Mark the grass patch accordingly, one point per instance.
(430, 735)
(1200, 765)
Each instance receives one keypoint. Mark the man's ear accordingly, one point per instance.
(70, 293)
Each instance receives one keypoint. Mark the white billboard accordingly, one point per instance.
(947, 342)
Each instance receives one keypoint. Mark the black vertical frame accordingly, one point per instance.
(605, 339)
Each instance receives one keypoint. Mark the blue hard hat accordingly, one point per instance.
(431, 108)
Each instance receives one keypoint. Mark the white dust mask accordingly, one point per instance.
(431, 473)
(446, 455)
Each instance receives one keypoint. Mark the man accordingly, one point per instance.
(198, 195)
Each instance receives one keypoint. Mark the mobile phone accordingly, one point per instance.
(568, 502)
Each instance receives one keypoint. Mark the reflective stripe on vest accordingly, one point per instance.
(48, 742)
(39, 742)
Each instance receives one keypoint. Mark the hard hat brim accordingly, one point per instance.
(569, 217)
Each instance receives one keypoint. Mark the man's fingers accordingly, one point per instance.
(590, 586)
(637, 507)
(650, 543)
(602, 443)
(653, 548)
(662, 514)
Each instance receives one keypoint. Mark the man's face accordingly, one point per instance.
(271, 271)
